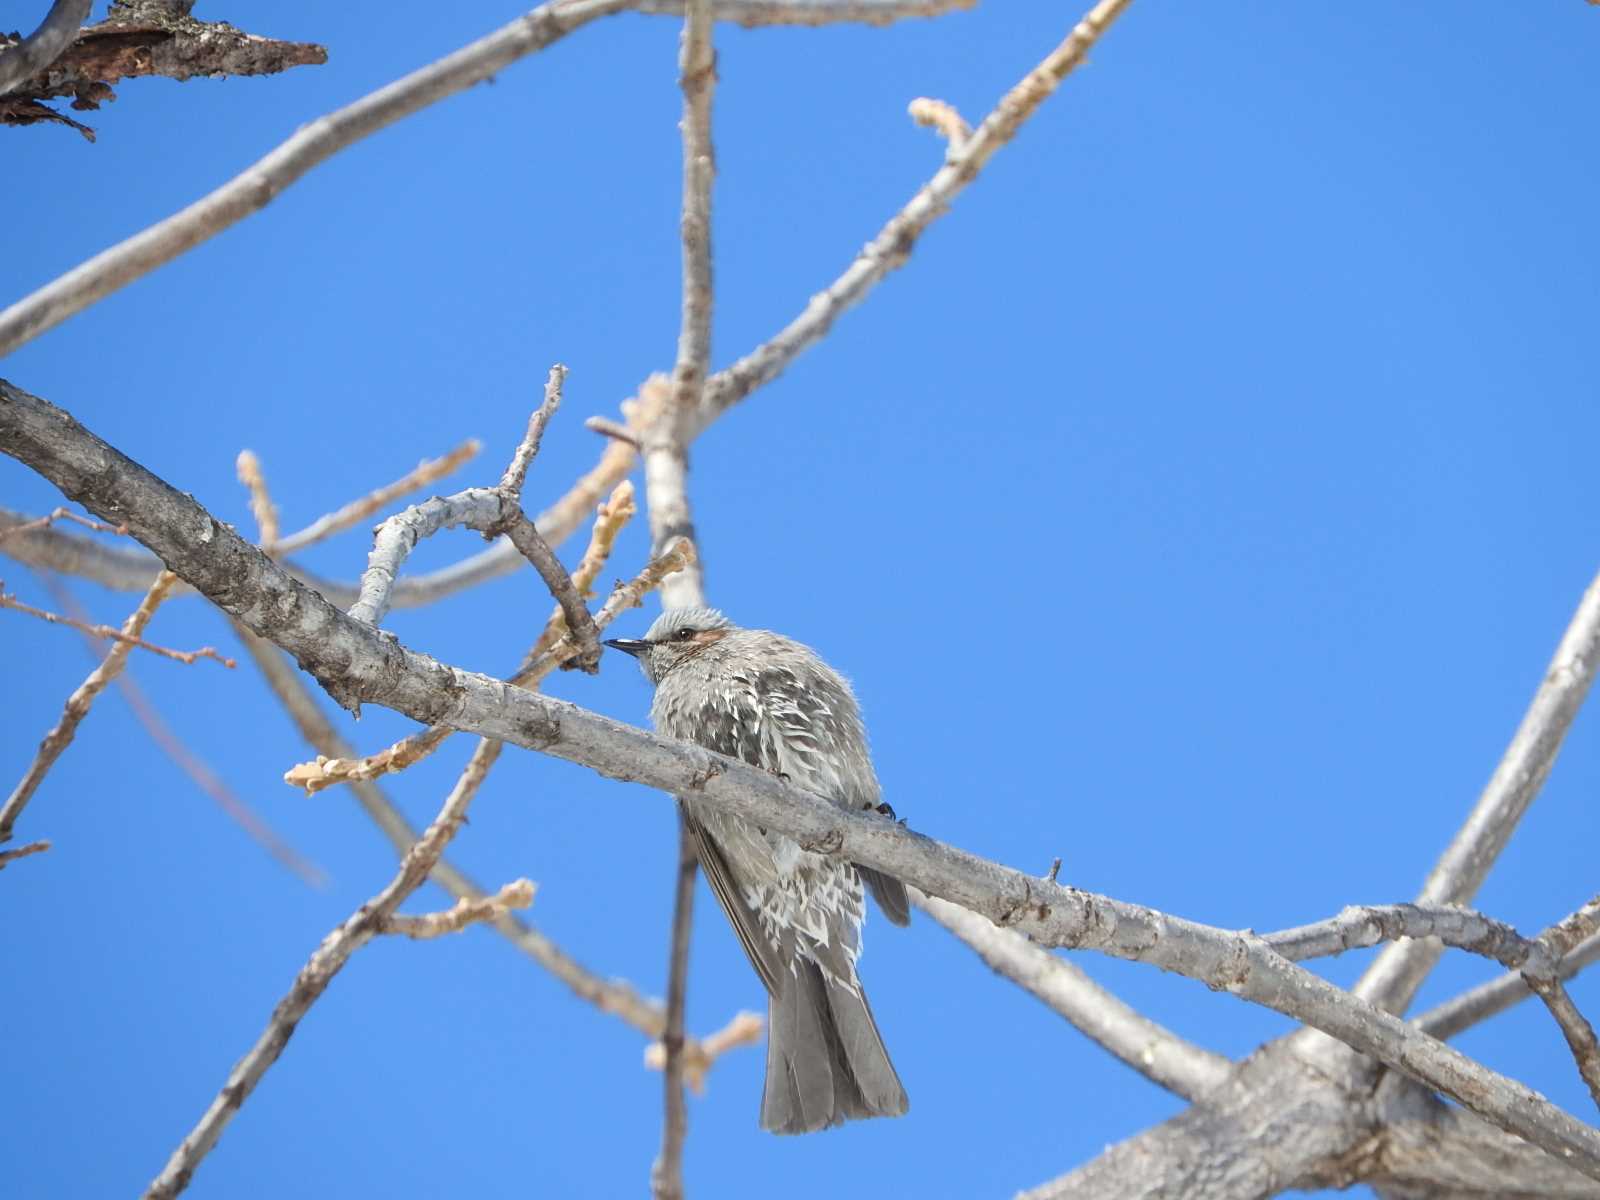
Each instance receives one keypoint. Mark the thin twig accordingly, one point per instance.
(107, 633)
(941, 116)
(207, 780)
(77, 706)
(606, 427)
(343, 518)
(1154, 1051)
(10, 856)
(1393, 979)
(59, 514)
(516, 473)
(700, 1055)
(254, 187)
(483, 910)
(666, 1174)
(894, 243)
(356, 931)
(325, 772)
(261, 506)
(1490, 999)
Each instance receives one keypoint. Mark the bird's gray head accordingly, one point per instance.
(677, 635)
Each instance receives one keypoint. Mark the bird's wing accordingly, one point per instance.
(764, 956)
(816, 737)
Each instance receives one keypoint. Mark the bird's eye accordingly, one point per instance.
(684, 634)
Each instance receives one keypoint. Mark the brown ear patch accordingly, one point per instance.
(707, 637)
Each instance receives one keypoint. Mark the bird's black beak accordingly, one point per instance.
(629, 646)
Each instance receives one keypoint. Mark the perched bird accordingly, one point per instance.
(772, 702)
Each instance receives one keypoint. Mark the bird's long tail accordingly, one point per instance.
(825, 1058)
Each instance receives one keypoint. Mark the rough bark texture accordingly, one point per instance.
(145, 39)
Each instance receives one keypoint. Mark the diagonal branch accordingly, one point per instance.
(1392, 981)
(253, 188)
(357, 663)
(894, 243)
(77, 705)
(356, 931)
(45, 44)
(1150, 1049)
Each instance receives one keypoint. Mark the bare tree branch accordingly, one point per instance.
(666, 1173)
(1490, 999)
(753, 14)
(44, 45)
(478, 911)
(1150, 1049)
(356, 663)
(57, 514)
(248, 468)
(137, 38)
(894, 243)
(323, 773)
(106, 633)
(311, 144)
(7, 857)
(77, 706)
(134, 570)
(665, 443)
(1392, 981)
(356, 931)
(343, 518)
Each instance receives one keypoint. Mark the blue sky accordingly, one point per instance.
(1201, 504)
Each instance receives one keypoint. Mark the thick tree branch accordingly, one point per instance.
(141, 37)
(253, 188)
(44, 45)
(357, 663)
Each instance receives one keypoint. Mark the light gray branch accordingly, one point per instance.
(1150, 1049)
(492, 511)
(894, 243)
(665, 442)
(1490, 999)
(1392, 981)
(330, 957)
(45, 44)
(254, 187)
(356, 663)
(755, 13)
(1359, 926)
